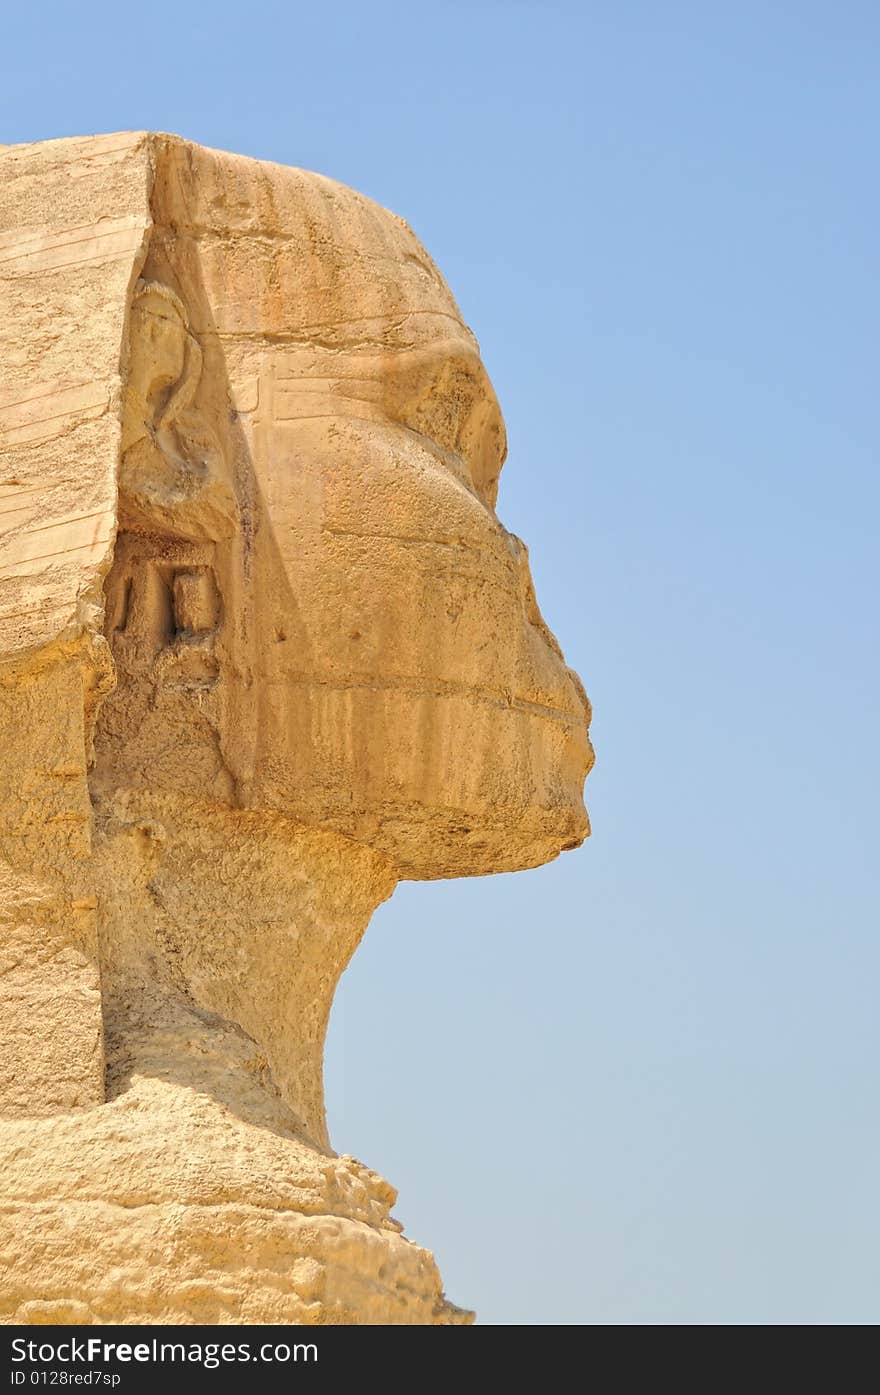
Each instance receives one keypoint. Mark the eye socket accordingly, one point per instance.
(483, 444)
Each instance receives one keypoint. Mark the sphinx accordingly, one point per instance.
(265, 650)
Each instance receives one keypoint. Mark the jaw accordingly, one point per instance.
(220, 920)
(444, 784)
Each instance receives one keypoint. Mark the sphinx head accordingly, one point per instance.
(313, 607)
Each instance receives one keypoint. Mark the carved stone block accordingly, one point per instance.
(265, 649)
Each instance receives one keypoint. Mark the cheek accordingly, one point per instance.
(376, 564)
(393, 570)
(385, 483)
(405, 610)
(426, 609)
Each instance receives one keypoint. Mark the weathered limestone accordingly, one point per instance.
(265, 649)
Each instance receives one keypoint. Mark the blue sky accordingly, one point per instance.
(638, 1085)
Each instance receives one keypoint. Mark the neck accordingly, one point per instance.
(223, 934)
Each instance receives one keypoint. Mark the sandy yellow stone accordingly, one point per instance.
(265, 649)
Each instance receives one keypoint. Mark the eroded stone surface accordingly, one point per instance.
(265, 649)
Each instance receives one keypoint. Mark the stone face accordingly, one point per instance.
(265, 649)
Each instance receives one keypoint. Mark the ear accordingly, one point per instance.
(173, 477)
(185, 389)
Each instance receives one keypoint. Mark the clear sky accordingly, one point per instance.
(640, 1084)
